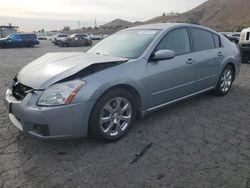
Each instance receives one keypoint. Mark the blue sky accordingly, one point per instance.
(54, 14)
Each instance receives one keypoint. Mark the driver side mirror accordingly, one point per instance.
(163, 55)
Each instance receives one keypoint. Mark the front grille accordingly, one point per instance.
(19, 91)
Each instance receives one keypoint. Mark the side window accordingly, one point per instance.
(217, 41)
(203, 40)
(248, 36)
(15, 37)
(176, 40)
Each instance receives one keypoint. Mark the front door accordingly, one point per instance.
(169, 80)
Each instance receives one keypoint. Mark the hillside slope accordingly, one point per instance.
(118, 23)
(222, 15)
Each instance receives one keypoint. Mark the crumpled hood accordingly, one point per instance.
(53, 67)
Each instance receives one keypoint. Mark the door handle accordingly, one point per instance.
(220, 54)
(190, 61)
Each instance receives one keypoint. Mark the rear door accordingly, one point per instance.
(171, 79)
(208, 55)
(24, 39)
(77, 41)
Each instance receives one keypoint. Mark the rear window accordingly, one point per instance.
(202, 39)
(80, 35)
(236, 35)
(248, 36)
(217, 41)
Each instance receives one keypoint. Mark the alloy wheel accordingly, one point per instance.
(226, 80)
(115, 116)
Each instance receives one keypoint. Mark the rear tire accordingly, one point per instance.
(112, 115)
(225, 81)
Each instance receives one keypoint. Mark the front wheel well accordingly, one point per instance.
(131, 90)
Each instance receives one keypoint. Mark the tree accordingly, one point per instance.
(66, 28)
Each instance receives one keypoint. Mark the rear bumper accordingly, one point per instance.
(59, 122)
(245, 54)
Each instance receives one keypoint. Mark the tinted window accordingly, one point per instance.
(203, 40)
(236, 35)
(14, 37)
(217, 40)
(62, 35)
(80, 36)
(248, 35)
(28, 36)
(176, 40)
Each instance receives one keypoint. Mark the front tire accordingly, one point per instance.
(5, 45)
(31, 44)
(113, 115)
(225, 81)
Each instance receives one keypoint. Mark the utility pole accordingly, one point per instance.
(78, 24)
(95, 23)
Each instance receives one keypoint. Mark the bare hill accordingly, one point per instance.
(118, 23)
(222, 15)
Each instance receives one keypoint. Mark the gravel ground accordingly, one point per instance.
(203, 142)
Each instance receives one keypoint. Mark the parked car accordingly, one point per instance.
(58, 38)
(96, 37)
(49, 36)
(127, 75)
(41, 36)
(19, 40)
(236, 37)
(232, 37)
(244, 45)
(76, 40)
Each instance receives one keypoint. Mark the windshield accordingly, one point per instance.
(9, 36)
(127, 44)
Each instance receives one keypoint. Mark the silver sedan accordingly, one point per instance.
(124, 77)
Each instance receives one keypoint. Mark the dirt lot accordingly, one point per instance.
(203, 142)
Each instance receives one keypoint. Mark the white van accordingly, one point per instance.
(244, 45)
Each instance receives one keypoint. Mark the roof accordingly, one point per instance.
(157, 26)
(246, 30)
(165, 26)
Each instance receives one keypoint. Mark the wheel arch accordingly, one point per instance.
(134, 92)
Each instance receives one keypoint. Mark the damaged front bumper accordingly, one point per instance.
(57, 122)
